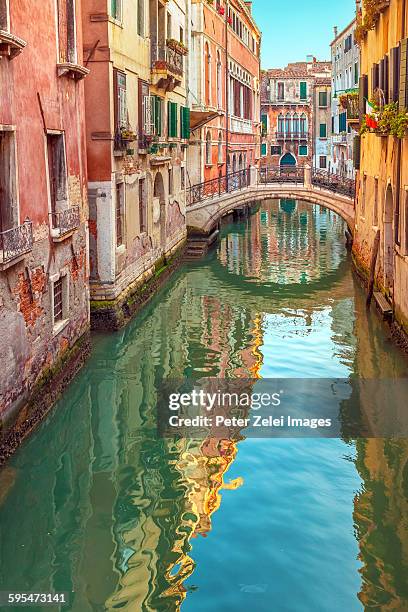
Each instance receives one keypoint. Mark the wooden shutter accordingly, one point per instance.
(386, 78)
(356, 151)
(374, 78)
(263, 149)
(185, 122)
(363, 94)
(158, 115)
(394, 74)
(303, 90)
(172, 119)
(403, 85)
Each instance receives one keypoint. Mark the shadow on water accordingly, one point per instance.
(94, 504)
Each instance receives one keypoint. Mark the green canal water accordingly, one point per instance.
(95, 505)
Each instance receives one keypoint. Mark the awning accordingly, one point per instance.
(200, 118)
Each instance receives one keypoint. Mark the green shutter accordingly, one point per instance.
(185, 122)
(356, 73)
(323, 99)
(263, 149)
(303, 150)
(172, 119)
(323, 130)
(303, 90)
(264, 124)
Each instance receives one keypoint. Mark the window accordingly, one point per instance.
(348, 43)
(343, 122)
(120, 191)
(8, 182)
(323, 130)
(323, 99)
(356, 73)
(58, 300)
(172, 119)
(116, 9)
(397, 220)
(142, 206)
(263, 149)
(66, 31)
(281, 91)
(4, 16)
(120, 103)
(296, 123)
(264, 119)
(281, 124)
(303, 124)
(170, 175)
(322, 161)
(303, 150)
(169, 29)
(185, 122)
(147, 123)
(182, 177)
(158, 115)
(140, 17)
(288, 123)
(375, 215)
(219, 81)
(363, 194)
(276, 150)
(207, 67)
(208, 149)
(220, 148)
(303, 90)
(57, 174)
(181, 35)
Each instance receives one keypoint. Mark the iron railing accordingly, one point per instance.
(16, 241)
(334, 182)
(167, 58)
(65, 221)
(281, 174)
(218, 186)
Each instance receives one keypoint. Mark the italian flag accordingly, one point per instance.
(371, 116)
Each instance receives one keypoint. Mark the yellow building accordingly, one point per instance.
(382, 186)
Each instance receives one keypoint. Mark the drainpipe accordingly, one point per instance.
(226, 97)
(398, 177)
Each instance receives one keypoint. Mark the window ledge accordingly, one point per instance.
(59, 327)
(11, 262)
(57, 236)
(71, 70)
(10, 45)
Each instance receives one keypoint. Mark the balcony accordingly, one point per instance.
(167, 66)
(350, 102)
(10, 45)
(291, 135)
(339, 139)
(63, 223)
(241, 126)
(14, 243)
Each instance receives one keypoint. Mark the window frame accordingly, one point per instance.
(302, 147)
(6, 5)
(63, 278)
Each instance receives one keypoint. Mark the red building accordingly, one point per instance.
(44, 309)
(225, 62)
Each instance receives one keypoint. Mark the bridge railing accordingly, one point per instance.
(234, 181)
(334, 182)
(281, 174)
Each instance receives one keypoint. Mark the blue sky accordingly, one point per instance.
(292, 29)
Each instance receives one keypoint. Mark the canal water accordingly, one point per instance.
(96, 506)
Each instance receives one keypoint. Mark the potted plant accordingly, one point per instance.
(127, 134)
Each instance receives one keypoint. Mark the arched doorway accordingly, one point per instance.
(288, 160)
(160, 201)
(388, 239)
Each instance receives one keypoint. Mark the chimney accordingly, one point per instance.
(336, 31)
(309, 59)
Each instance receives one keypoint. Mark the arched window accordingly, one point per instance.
(288, 124)
(296, 123)
(303, 124)
(208, 149)
(219, 80)
(207, 75)
(220, 148)
(281, 124)
(240, 166)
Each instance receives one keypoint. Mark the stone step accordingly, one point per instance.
(383, 304)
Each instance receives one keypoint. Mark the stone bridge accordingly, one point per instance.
(203, 216)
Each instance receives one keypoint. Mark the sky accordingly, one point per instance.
(292, 29)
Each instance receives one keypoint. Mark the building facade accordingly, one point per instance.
(382, 191)
(44, 299)
(289, 104)
(345, 56)
(138, 128)
(322, 123)
(224, 64)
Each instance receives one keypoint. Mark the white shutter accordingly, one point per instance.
(148, 115)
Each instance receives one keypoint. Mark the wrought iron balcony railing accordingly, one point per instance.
(167, 58)
(64, 221)
(15, 242)
(291, 135)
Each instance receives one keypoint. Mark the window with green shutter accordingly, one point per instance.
(356, 75)
(303, 90)
(323, 130)
(263, 149)
(303, 150)
(323, 99)
(158, 115)
(185, 122)
(172, 119)
(264, 119)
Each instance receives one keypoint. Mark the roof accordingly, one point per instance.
(297, 70)
(342, 33)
